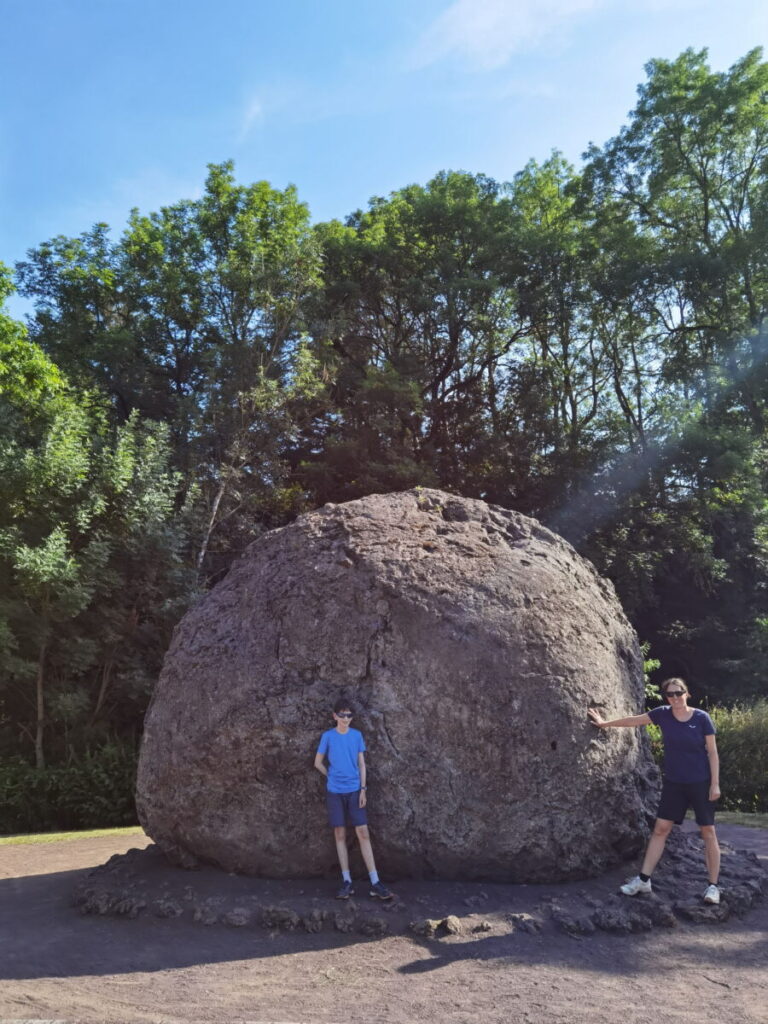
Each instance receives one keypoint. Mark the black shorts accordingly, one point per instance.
(344, 808)
(677, 797)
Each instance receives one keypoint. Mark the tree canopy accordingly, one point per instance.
(584, 344)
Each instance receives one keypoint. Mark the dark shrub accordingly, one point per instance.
(93, 792)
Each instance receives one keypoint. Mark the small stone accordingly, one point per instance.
(739, 898)
(703, 913)
(127, 905)
(237, 917)
(280, 917)
(525, 923)
(374, 926)
(313, 921)
(94, 901)
(655, 910)
(392, 905)
(344, 922)
(167, 908)
(425, 926)
(614, 918)
(206, 914)
(573, 924)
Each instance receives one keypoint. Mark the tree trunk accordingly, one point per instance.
(212, 518)
(106, 674)
(40, 722)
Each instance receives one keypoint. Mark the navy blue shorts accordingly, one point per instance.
(345, 809)
(677, 797)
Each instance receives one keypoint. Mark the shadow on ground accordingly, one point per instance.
(171, 919)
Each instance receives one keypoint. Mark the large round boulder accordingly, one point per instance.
(470, 641)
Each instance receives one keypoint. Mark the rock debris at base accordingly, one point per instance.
(142, 882)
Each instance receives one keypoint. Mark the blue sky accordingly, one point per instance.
(110, 104)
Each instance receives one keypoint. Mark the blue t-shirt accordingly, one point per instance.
(685, 752)
(341, 749)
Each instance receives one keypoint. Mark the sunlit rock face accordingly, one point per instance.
(470, 642)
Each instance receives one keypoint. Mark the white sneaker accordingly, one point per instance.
(635, 886)
(712, 894)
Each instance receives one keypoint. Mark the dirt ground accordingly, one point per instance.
(56, 964)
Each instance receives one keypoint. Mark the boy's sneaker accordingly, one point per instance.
(635, 886)
(712, 894)
(379, 891)
(345, 891)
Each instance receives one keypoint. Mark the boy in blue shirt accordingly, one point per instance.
(346, 798)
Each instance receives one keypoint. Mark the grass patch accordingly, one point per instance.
(723, 818)
(57, 837)
(735, 818)
(741, 818)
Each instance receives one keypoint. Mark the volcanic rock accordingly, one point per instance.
(470, 641)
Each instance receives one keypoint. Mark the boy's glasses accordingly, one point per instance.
(343, 714)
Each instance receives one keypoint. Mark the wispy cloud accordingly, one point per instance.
(485, 34)
(302, 101)
(254, 111)
(292, 100)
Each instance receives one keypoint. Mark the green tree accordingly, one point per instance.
(684, 530)
(193, 318)
(418, 320)
(690, 169)
(91, 548)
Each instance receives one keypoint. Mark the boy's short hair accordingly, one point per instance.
(342, 704)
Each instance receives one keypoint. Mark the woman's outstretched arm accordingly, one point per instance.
(630, 722)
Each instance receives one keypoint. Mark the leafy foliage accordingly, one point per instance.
(92, 569)
(587, 345)
(742, 740)
(96, 790)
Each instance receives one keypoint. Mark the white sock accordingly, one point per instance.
(374, 877)
(346, 876)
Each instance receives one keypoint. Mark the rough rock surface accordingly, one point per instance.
(470, 641)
